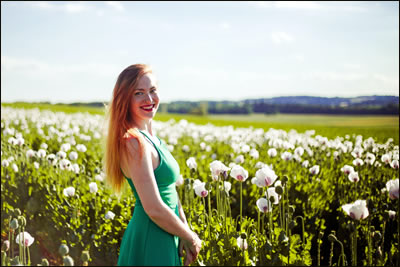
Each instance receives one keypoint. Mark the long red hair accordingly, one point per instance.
(120, 121)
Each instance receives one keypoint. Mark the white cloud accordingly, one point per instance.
(297, 4)
(334, 76)
(225, 26)
(70, 7)
(117, 5)
(34, 67)
(281, 37)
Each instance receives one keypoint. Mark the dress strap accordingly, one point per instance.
(150, 139)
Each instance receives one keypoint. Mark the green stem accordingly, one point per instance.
(241, 218)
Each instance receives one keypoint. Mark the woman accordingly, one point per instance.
(158, 232)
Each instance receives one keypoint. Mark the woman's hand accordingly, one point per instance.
(189, 257)
(192, 248)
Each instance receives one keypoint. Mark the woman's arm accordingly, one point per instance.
(140, 170)
(182, 213)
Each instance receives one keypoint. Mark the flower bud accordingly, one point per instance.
(68, 261)
(63, 249)
(17, 212)
(321, 235)
(284, 179)
(14, 224)
(22, 221)
(291, 209)
(279, 190)
(377, 236)
(5, 246)
(85, 256)
(45, 262)
(243, 235)
(332, 238)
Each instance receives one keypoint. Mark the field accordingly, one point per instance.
(259, 190)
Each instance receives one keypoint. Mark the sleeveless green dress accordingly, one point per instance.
(144, 243)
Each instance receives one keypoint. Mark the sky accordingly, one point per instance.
(74, 51)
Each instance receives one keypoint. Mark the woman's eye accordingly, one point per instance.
(138, 93)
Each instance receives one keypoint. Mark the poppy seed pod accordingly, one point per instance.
(63, 249)
(279, 190)
(14, 224)
(285, 179)
(45, 262)
(68, 261)
(332, 238)
(22, 221)
(85, 256)
(377, 236)
(243, 235)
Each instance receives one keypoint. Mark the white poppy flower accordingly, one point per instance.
(14, 167)
(25, 238)
(358, 162)
(305, 164)
(299, 151)
(353, 177)
(36, 165)
(81, 148)
(286, 156)
(200, 189)
(314, 170)
(30, 153)
(239, 159)
(73, 155)
(254, 153)
(41, 153)
(239, 173)
(272, 193)
(346, 169)
(272, 152)
(357, 210)
(69, 191)
(265, 177)
(93, 187)
(217, 168)
(191, 163)
(5, 163)
(242, 243)
(109, 215)
(395, 164)
(264, 205)
(185, 148)
(392, 187)
(65, 147)
(386, 158)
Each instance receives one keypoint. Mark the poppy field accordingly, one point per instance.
(254, 196)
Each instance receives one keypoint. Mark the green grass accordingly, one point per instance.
(380, 127)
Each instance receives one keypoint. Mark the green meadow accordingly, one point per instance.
(377, 126)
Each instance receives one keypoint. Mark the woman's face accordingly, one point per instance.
(145, 99)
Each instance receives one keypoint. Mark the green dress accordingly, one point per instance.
(144, 243)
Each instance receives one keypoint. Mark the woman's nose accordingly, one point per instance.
(148, 98)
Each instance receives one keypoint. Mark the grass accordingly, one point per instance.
(378, 126)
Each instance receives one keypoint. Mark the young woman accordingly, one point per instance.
(158, 232)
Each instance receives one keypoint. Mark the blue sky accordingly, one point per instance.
(74, 51)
